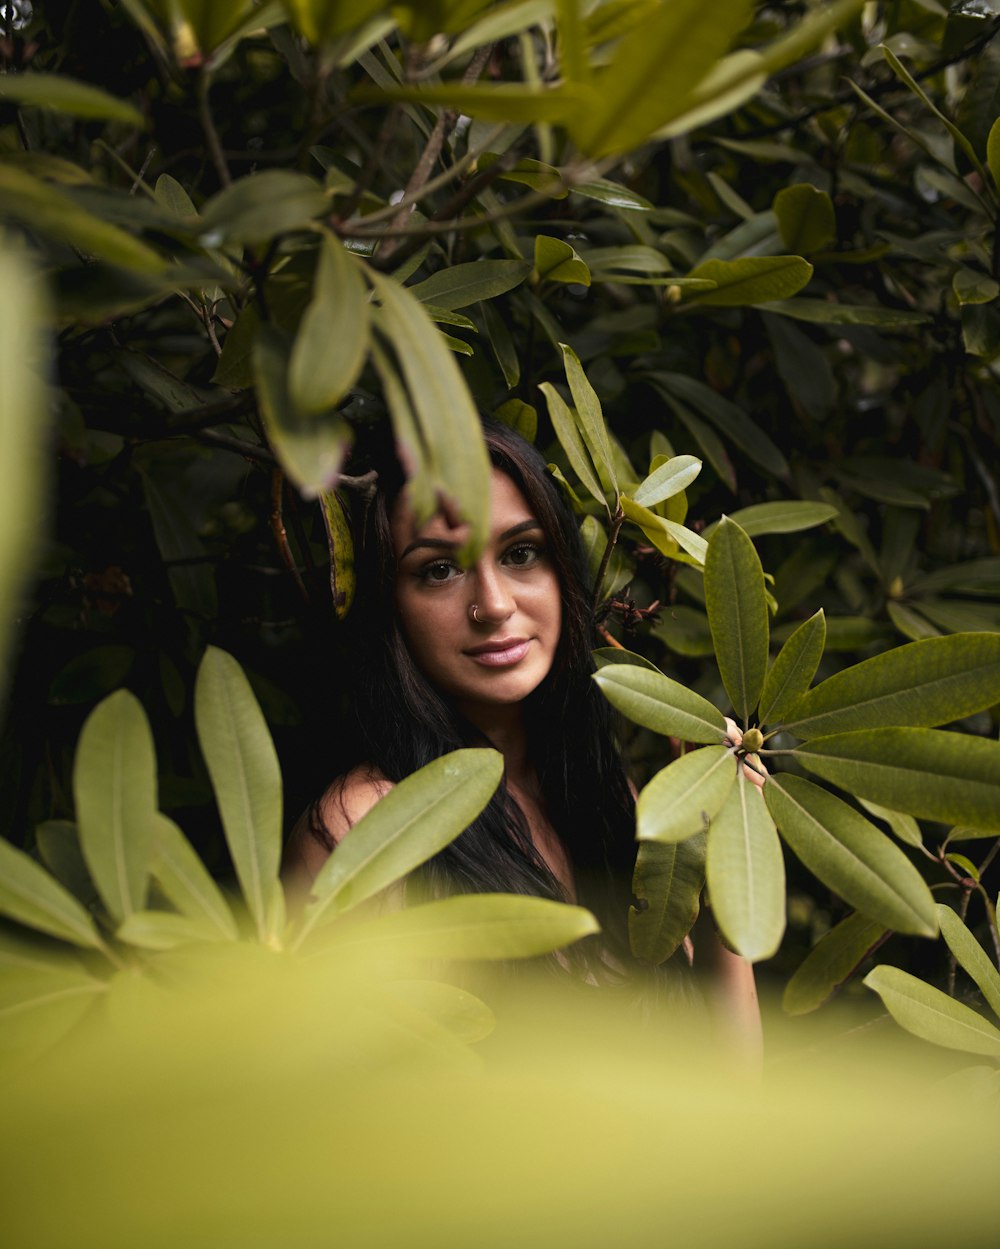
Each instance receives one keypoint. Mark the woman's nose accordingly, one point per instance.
(494, 600)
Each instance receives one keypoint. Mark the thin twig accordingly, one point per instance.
(616, 523)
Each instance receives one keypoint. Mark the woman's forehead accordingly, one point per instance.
(508, 507)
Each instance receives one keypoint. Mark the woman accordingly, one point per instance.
(497, 654)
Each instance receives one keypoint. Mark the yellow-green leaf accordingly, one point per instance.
(793, 669)
(751, 280)
(737, 615)
(659, 703)
(806, 220)
(829, 963)
(932, 1015)
(685, 796)
(667, 885)
(65, 95)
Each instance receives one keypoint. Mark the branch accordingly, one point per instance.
(208, 125)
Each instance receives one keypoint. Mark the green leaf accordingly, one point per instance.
(58, 844)
(661, 704)
(829, 963)
(556, 261)
(41, 1000)
(993, 152)
(340, 545)
(246, 778)
(409, 825)
(932, 1015)
(504, 347)
(260, 206)
(848, 853)
(311, 448)
(971, 287)
(905, 827)
(911, 623)
(924, 683)
(795, 666)
(605, 655)
(506, 101)
(684, 630)
(185, 881)
(787, 516)
(737, 615)
(746, 873)
(165, 930)
(171, 195)
(49, 211)
(684, 797)
(737, 427)
(806, 220)
(612, 194)
(114, 788)
(477, 926)
(460, 285)
(29, 895)
(570, 440)
(66, 95)
(330, 346)
(448, 419)
(321, 21)
(666, 535)
(751, 280)
(657, 66)
(824, 312)
(591, 419)
(967, 866)
(669, 881)
(669, 479)
(971, 956)
(950, 777)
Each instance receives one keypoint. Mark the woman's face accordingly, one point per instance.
(499, 659)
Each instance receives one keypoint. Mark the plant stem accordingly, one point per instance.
(616, 523)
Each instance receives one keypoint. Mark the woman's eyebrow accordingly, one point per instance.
(445, 544)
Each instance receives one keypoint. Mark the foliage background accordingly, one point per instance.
(862, 376)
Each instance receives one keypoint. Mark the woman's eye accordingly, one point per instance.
(437, 572)
(523, 555)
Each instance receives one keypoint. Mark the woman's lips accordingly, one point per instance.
(500, 654)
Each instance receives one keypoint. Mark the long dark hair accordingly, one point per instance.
(403, 722)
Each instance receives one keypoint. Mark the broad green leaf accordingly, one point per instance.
(409, 443)
(409, 825)
(669, 479)
(591, 419)
(923, 684)
(24, 434)
(661, 704)
(605, 655)
(656, 67)
(59, 847)
(829, 963)
(950, 777)
(684, 630)
(794, 667)
(806, 220)
(504, 347)
(971, 956)
(570, 440)
(967, 833)
(464, 1015)
(50, 211)
(788, 516)
(519, 416)
(849, 854)
(737, 615)
(706, 437)
(911, 623)
(340, 545)
(613, 194)
(668, 880)
(40, 1001)
(736, 425)
(932, 1015)
(66, 95)
(460, 285)
(330, 346)
(261, 206)
(637, 258)
(320, 21)
(477, 926)
(172, 196)
(746, 873)
(311, 448)
(751, 280)
(114, 788)
(905, 827)
(246, 778)
(447, 416)
(823, 312)
(958, 615)
(967, 866)
(993, 152)
(165, 930)
(684, 797)
(29, 895)
(556, 261)
(186, 882)
(972, 287)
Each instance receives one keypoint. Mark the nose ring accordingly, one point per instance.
(474, 613)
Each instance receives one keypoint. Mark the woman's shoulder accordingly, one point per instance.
(327, 821)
